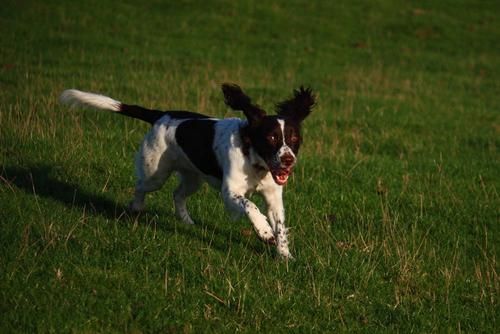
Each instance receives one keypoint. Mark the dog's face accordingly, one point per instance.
(276, 139)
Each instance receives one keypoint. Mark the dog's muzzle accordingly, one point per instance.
(283, 170)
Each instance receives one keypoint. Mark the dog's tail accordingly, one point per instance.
(76, 98)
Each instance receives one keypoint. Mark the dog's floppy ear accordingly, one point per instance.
(299, 106)
(236, 99)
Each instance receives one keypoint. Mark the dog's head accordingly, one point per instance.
(276, 138)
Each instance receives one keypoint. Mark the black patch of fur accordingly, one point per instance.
(299, 106)
(236, 99)
(293, 137)
(245, 138)
(259, 137)
(196, 138)
(151, 116)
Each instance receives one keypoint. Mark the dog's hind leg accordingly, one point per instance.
(189, 184)
(144, 186)
(152, 168)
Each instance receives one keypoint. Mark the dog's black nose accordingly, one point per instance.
(287, 160)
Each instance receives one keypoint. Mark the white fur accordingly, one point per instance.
(76, 98)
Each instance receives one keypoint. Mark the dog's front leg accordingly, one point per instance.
(237, 202)
(276, 214)
(281, 233)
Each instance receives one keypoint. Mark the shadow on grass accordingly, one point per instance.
(39, 181)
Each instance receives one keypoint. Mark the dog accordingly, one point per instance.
(237, 156)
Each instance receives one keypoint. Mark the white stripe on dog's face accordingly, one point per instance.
(284, 149)
(281, 122)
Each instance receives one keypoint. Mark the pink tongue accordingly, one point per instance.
(281, 177)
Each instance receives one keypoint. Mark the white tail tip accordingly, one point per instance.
(76, 98)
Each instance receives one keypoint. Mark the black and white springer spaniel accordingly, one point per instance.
(233, 155)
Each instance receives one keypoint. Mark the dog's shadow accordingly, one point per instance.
(39, 181)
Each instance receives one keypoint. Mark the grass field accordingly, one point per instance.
(393, 209)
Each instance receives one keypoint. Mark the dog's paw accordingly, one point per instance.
(265, 233)
(183, 215)
(271, 241)
(286, 255)
(187, 220)
(261, 225)
(283, 250)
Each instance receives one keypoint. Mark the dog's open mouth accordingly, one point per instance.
(280, 175)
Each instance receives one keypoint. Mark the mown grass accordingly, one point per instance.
(393, 208)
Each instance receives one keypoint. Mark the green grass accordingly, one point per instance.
(394, 207)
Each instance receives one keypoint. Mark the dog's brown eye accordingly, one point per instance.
(271, 138)
(294, 139)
